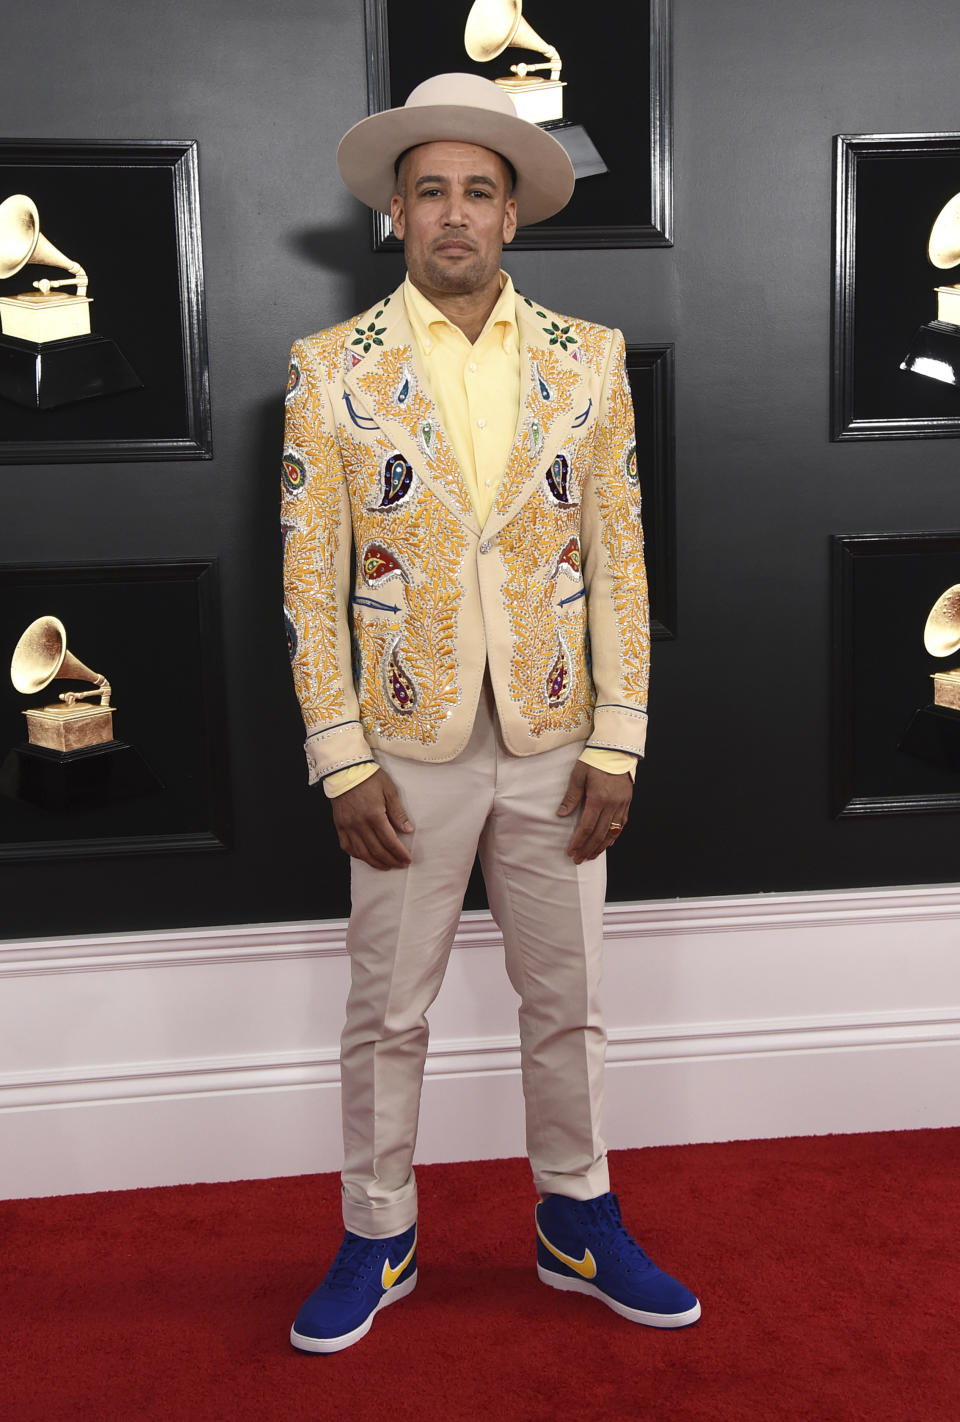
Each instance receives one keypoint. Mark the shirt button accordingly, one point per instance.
(487, 483)
(428, 346)
(482, 423)
(472, 366)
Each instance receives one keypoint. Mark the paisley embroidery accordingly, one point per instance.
(559, 681)
(568, 562)
(294, 377)
(545, 392)
(425, 439)
(558, 476)
(291, 633)
(630, 469)
(399, 685)
(294, 473)
(397, 482)
(406, 387)
(378, 565)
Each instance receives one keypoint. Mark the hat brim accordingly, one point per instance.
(369, 150)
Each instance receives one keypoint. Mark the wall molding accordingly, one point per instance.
(240, 943)
(212, 1053)
(144, 1081)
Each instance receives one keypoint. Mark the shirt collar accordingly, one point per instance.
(424, 316)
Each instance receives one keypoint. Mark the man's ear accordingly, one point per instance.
(509, 221)
(398, 216)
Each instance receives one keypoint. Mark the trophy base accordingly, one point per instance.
(935, 353)
(43, 375)
(76, 780)
(581, 150)
(934, 735)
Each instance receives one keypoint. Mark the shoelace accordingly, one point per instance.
(355, 1262)
(605, 1213)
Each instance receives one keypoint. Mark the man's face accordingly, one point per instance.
(453, 216)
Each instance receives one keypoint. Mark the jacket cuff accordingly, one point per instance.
(620, 728)
(334, 748)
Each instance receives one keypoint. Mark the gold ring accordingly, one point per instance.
(615, 826)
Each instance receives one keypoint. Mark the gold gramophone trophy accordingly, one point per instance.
(71, 759)
(941, 637)
(935, 350)
(934, 731)
(69, 724)
(48, 354)
(496, 25)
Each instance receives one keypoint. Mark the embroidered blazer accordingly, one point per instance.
(396, 599)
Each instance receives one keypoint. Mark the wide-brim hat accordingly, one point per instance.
(468, 109)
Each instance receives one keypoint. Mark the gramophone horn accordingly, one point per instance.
(941, 635)
(21, 241)
(944, 245)
(41, 656)
(494, 25)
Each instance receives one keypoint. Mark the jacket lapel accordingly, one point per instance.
(554, 406)
(385, 389)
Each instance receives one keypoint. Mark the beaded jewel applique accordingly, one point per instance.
(378, 564)
(559, 683)
(399, 685)
(558, 478)
(398, 480)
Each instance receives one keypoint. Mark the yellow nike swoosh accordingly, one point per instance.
(390, 1273)
(585, 1267)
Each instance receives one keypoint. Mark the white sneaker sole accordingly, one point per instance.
(345, 1340)
(635, 1315)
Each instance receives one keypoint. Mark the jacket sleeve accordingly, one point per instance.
(614, 573)
(317, 569)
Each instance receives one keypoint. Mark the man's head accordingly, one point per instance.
(453, 209)
(460, 109)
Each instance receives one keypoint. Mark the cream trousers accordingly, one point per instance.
(550, 912)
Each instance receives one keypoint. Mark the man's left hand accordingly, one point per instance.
(606, 808)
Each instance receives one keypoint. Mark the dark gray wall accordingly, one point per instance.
(734, 795)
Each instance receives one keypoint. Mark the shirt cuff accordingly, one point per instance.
(342, 780)
(613, 762)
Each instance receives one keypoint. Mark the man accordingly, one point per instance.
(460, 468)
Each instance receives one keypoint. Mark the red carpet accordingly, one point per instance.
(828, 1268)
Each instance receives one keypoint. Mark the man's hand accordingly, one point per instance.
(367, 820)
(606, 801)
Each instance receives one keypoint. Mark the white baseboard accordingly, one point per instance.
(211, 1054)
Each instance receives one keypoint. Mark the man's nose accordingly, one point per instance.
(455, 213)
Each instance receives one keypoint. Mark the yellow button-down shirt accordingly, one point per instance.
(476, 388)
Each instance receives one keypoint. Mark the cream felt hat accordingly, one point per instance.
(469, 109)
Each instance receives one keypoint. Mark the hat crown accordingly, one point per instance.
(464, 90)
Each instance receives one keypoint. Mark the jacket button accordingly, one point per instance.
(484, 547)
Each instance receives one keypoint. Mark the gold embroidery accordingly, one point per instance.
(619, 506)
(381, 384)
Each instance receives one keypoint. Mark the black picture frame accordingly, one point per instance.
(889, 189)
(129, 212)
(650, 369)
(153, 629)
(629, 117)
(884, 585)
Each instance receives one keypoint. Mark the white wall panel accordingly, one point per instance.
(212, 1054)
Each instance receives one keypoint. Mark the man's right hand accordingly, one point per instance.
(368, 818)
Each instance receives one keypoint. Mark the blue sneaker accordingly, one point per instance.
(582, 1247)
(367, 1275)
